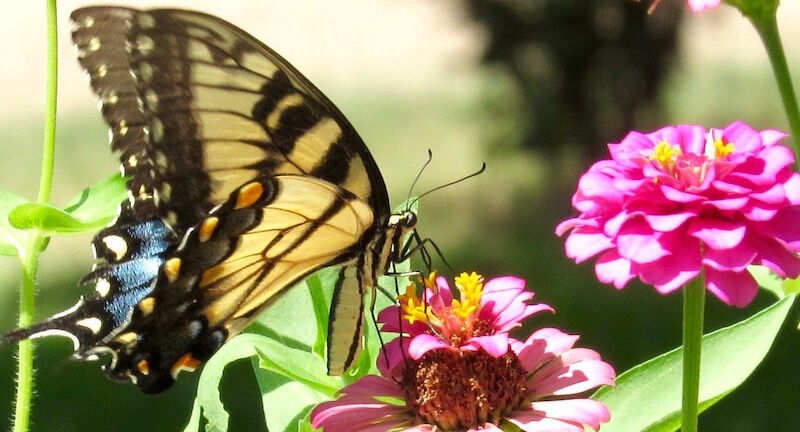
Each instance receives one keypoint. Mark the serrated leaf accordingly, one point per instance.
(91, 210)
(648, 396)
(11, 239)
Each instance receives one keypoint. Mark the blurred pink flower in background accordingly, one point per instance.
(694, 5)
(679, 201)
(467, 373)
(703, 5)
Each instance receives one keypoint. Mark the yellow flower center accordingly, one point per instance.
(666, 154)
(722, 149)
(471, 288)
(413, 308)
(455, 322)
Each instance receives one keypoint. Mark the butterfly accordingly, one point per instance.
(243, 179)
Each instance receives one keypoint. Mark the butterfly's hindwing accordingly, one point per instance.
(266, 237)
(346, 320)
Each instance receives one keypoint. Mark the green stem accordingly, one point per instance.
(48, 154)
(693, 303)
(766, 25)
(35, 241)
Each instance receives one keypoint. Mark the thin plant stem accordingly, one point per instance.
(767, 27)
(693, 304)
(35, 241)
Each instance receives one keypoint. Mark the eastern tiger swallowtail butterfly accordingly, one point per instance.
(243, 179)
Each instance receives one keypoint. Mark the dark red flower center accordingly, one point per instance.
(457, 390)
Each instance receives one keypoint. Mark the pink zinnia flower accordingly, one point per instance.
(459, 385)
(694, 5)
(703, 5)
(680, 201)
(480, 318)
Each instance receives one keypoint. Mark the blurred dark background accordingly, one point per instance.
(545, 85)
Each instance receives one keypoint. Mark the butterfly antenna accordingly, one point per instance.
(467, 177)
(416, 179)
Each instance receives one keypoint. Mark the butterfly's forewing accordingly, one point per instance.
(199, 110)
(203, 107)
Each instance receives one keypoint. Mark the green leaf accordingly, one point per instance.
(99, 202)
(91, 210)
(768, 280)
(208, 401)
(11, 239)
(46, 218)
(648, 396)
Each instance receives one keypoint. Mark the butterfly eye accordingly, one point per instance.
(410, 219)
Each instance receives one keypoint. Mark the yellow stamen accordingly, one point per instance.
(413, 309)
(471, 288)
(665, 154)
(722, 149)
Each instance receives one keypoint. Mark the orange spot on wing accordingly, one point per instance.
(208, 227)
(249, 194)
(185, 363)
(144, 367)
(172, 268)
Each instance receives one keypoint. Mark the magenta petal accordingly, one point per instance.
(612, 268)
(773, 254)
(541, 346)
(675, 195)
(424, 343)
(582, 244)
(583, 411)
(717, 234)
(733, 288)
(791, 188)
(771, 136)
(574, 375)
(513, 316)
(638, 243)
(532, 421)
(735, 259)
(598, 186)
(672, 272)
(668, 222)
(774, 195)
(495, 345)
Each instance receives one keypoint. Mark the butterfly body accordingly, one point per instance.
(243, 179)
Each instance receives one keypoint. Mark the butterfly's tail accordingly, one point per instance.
(45, 328)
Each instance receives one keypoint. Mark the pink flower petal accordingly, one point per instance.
(612, 268)
(775, 255)
(494, 345)
(771, 137)
(575, 371)
(582, 245)
(717, 234)
(677, 196)
(531, 421)
(668, 222)
(486, 427)
(640, 244)
(745, 138)
(424, 343)
(734, 259)
(541, 346)
(582, 411)
(513, 316)
(672, 272)
(733, 288)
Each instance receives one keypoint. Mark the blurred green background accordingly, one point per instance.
(534, 88)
